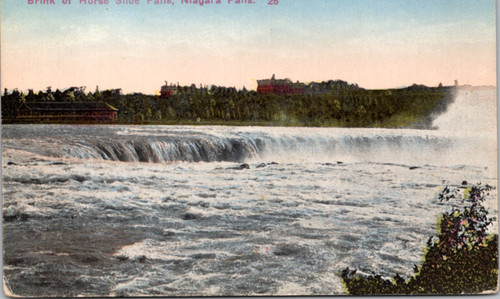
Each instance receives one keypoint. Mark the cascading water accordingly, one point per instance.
(77, 221)
(256, 144)
(216, 144)
(468, 124)
(473, 111)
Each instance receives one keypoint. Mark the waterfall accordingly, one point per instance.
(258, 144)
(466, 134)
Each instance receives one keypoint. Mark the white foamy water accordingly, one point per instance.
(473, 111)
(312, 202)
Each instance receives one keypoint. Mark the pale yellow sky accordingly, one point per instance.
(376, 44)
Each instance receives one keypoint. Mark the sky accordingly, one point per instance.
(137, 47)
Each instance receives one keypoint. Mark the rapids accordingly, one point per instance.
(170, 211)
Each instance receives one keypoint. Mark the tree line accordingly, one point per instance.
(332, 103)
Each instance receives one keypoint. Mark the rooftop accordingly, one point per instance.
(95, 106)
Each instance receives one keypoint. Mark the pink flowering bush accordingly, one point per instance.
(465, 227)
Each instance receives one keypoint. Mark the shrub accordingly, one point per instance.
(463, 259)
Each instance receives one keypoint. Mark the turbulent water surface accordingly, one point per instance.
(161, 210)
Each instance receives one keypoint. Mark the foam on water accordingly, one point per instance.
(285, 145)
(251, 231)
(473, 111)
(212, 228)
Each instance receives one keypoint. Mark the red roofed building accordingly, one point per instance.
(279, 86)
(168, 90)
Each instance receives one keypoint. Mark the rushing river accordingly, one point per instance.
(181, 210)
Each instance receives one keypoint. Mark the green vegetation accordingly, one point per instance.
(463, 260)
(335, 104)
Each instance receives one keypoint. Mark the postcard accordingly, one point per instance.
(200, 148)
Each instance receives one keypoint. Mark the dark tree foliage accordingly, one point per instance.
(463, 259)
(331, 103)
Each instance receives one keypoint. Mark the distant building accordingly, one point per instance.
(280, 86)
(67, 112)
(168, 90)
